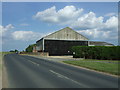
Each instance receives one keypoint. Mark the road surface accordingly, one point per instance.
(30, 72)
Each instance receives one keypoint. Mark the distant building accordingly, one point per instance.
(60, 42)
(97, 43)
(34, 49)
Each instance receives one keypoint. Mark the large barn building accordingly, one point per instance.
(60, 42)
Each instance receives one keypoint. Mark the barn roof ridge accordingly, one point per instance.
(64, 29)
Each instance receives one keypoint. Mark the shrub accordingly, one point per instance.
(30, 48)
(97, 52)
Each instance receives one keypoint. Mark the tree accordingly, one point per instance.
(14, 50)
(30, 48)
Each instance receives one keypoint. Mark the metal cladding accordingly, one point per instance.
(62, 47)
(60, 42)
(66, 34)
(98, 43)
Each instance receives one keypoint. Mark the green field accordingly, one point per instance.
(107, 66)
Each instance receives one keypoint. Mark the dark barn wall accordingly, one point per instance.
(61, 47)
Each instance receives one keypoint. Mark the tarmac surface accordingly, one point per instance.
(30, 72)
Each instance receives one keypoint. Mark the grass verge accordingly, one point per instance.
(103, 66)
(1, 57)
(3, 77)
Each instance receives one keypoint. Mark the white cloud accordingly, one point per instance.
(65, 15)
(95, 34)
(86, 21)
(4, 31)
(110, 14)
(111, 23)
(26, 35)
(10, 39)
(89, 24)
(8, 27)
(7, 34)
(90, 21)
(74, 17)
(96, 28)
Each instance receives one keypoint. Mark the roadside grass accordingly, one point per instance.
(4, 53)
(1, 64)
(101, 60)
(1, 57)
(0, 60)
(107, 66)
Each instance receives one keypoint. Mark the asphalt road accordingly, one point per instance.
(31, 72)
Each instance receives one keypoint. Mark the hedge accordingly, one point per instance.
(97, 52)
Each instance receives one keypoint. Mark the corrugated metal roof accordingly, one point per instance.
(66, 34)
(98, 43)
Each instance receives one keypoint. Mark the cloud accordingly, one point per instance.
(7, 34)
(11, 39)
(110, 14)
(5, 31)
(89, 24)
(75, 18)
(94, 34)
(96, 28)
(26, 35)
(87, 21)
(8, 27)
(111, 23)
(90, 21)
(62, 16)
(105, 31)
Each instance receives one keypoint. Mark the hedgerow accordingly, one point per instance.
(97, 52)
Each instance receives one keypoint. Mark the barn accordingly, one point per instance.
(60, 42)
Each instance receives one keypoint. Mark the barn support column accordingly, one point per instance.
(43, 44)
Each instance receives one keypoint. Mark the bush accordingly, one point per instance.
(97, 52)
(30, 48)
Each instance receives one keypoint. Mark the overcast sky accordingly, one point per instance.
(25, 23)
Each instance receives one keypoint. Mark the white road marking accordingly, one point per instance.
(33, 62)
(62, 76)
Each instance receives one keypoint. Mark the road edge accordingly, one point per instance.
(105, 73)
(4, 75)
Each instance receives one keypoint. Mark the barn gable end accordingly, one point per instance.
(66, 34)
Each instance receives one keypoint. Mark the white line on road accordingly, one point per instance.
(62, 76)
(33, 62)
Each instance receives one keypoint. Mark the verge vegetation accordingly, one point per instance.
(30, 48)
(1, 57)
(107, 66)
(97, 52)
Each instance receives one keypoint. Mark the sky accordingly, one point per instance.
(23, 23)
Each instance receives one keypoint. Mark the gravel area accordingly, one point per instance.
(67, 58)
